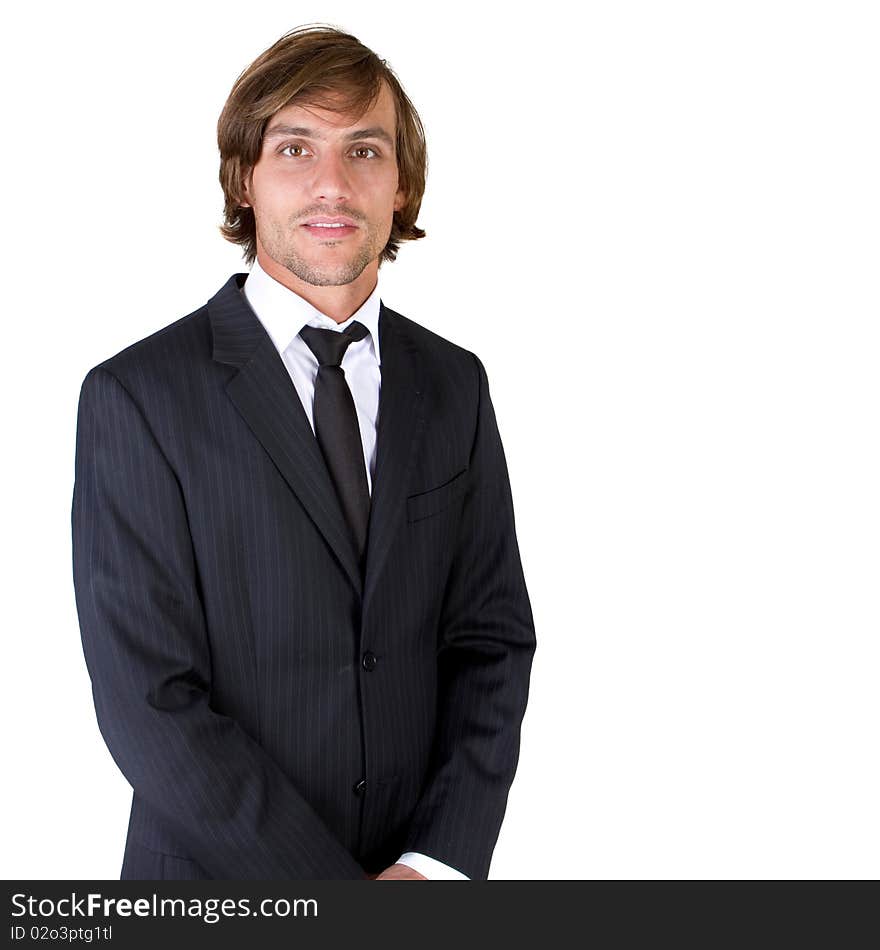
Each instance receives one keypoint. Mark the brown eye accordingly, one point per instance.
(286, 147)
(365, 148)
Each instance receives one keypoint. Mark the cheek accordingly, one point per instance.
(275, 189)
(282, 203)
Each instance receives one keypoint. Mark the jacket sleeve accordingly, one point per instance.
(146, 649)
(487, 641)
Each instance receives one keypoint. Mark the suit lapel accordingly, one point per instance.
(399, 428)
(264, 395)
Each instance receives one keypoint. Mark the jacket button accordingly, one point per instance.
(359, 788)
(370, 662)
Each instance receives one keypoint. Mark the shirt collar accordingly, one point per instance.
(284, 313)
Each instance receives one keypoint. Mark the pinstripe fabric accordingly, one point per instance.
(224, 621)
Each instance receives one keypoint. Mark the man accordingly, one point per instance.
(297, 576)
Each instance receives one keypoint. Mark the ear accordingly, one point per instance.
(399, 199)
(244, 203)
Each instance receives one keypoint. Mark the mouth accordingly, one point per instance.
(329, 233)
(330, 228)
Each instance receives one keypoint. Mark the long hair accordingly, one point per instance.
(309, 65)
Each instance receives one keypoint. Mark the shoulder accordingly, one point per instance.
(171, 354)
(186, 339)
(457, 366)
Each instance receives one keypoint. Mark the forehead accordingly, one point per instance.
(382, 113)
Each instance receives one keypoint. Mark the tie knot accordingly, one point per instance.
(329, 346)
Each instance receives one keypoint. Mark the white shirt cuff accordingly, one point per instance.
(431, 868)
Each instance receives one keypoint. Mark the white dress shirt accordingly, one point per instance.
(284, 313)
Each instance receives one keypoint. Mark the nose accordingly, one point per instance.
(331, 182)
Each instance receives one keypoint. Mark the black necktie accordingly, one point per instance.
(336, 425)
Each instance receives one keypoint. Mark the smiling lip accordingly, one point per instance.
(349, 227)
(330, 233)
(328, 219)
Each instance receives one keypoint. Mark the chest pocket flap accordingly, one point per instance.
(431, 502)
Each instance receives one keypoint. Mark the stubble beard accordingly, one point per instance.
(344, 271)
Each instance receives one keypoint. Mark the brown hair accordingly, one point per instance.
(304, 66)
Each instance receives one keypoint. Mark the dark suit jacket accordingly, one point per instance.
(278, 714)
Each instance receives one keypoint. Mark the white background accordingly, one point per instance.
(657, 224)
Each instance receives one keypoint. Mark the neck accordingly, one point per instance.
(338, 302)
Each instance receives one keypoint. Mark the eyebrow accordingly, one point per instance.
(374, 132)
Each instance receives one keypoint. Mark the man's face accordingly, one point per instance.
(317, 164)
